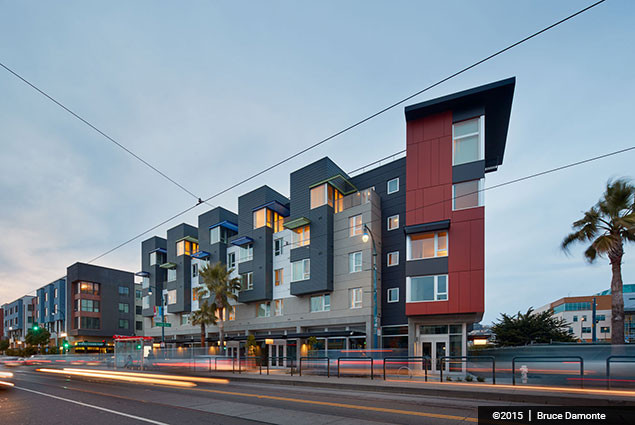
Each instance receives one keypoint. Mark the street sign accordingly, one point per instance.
(163, 324)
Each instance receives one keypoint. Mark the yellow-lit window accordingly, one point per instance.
(260, 218)
(186, 248)
(427, 245)
(180, 248)
(302, 236)
(278, 222)
(338, 201)
(326, 194)
(278, 277)
(318, 196)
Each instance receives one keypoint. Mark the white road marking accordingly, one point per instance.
(139, 418)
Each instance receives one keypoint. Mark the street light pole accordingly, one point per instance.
(162, 314)
(375, 320)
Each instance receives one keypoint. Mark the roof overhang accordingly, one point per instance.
(200, 254)
(243, 240)
(168, 265)
(142, 274)
(297, 222)
(226, 224)
(339, 182)
(494, 100)
(428, 227)
(163, 250)
(275, 206)
(189, 239)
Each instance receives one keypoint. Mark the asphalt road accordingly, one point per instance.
(40, 398)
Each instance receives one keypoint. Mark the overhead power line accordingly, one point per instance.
(358, 123)
(61, 105)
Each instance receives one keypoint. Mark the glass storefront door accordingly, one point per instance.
(435, 347)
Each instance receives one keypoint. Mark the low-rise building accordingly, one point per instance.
(51, 308)
(18, 318)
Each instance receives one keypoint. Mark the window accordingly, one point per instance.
(247, 281)
(185, 247)
(45, 296)
(355, 226)
(123, 324)
(427, 288)
(321, 303)
(586, 330)
(231, 260)
(139, 326)
(171, 275)
(301, 270)
(355, 298)
(427, 245)
(138, 294)
(172, 296)
(600, 317)
(277, 307)
(219, 234)
(55, 293)
(124, 290)
(277, 246)
(575, 318)
(467, 141)
(89, 322)
(392, 258)
(185, 319)
(266, 217)
(153, 258)
(605, 329)
(393, 295)
(467, 195)
(278, 277)
(246, 253)
(194, 270)
(264, 309)
(91, 306)
(355, 262)
(138, 309)
(393, 186)
(393, 222)
(88, 288)
(124, 307)
(301, 236)
(145, 283)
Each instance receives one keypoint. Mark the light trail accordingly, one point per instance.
(7, 384)
(97, 374)
(6, 375)
(154, 375)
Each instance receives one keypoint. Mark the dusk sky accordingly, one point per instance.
(210, 92)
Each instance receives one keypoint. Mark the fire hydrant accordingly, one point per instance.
(524, 371)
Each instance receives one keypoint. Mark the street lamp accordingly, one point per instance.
(162, 315)
(369, 235)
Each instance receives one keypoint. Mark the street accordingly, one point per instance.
(39, 398)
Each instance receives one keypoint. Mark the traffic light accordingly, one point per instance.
(66, 345)
(138, 346)
(35, 327)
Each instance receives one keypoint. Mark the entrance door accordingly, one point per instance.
(277, 352)
(435, 347)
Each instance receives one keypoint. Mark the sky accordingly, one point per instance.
(201, 89)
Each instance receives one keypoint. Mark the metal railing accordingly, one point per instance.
(548, 359)
(467, 359)
(268, 362)
(216, 361)
(615, 359)
(424, 363)
(328, 364)
(356, 358)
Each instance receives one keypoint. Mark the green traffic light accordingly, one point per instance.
(138, 346)
(36, 327)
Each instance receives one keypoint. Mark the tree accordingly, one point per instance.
(37, 337)
(531, 327)
(221, 289)
(204, 316)
(607, 226)
(4, 345)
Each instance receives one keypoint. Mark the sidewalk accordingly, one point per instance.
(474, 390)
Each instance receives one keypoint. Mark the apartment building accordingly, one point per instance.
(307, 261)
(18, 318)
(50, 308)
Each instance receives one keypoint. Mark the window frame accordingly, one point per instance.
(388, 191)
(278, 246)
(392, 254)
(249, 256)
(481, 139)
(323, 305)
(480, 194)
(233, 263)
(278, 277)
(436, 250)
(302, 236)
(388, 228)
(306, 264)
(249, 278)
(355, 229)
(171, 296)
(278, 307)
(355, 298)
(436, 292)
(353, 264)
(392, 291)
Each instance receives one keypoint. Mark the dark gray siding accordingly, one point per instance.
(183, 283)
(217, 251)
(157, 274)
(394, 240)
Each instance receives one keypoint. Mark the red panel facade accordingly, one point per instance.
(429, 199)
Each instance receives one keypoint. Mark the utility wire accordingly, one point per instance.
(350, 127)
(58, 103)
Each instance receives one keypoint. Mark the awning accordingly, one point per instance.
(163, 250)
(200, 254)
(275, 206)
(189, 239)
(427, 227)
(142, 274)
(168, 265)
(243, 240)
(295, 223)
(339, 182)
(226, 224)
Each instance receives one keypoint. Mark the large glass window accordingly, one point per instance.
(172, 296)
(427, 245)
(185, 247)
(278, 307)
(266, 217)
(88, 288)
(393, 222)
(247, 281)
(91, 306)
(355, 226)
(467, 195)
(321, 303)
(326, 194)
(246, 253)
(156, 257)
(301, 236)
(123, 324)
(217, 234)
(264, 309)
(355, 297)
(89, 322)
(171, 275)
(124, 307)
(301, 270)
(278, 277)
(124, 290)
(467, 141)
(427, 288)
(392, 186)
(231, 260)
(355, 262)
(146, 302)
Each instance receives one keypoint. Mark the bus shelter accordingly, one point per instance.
(131, 352)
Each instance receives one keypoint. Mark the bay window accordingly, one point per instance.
(301, 270)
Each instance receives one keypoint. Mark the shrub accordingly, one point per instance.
(469, 378)
(480, 379)
(448, 378)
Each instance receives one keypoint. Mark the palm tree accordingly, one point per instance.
(221, 289)
(204, 316)
(607, 226)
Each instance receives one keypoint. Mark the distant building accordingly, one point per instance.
(628, 292)
(18, 318)
(51, 308)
